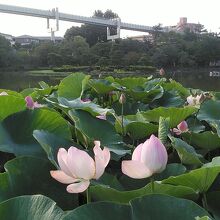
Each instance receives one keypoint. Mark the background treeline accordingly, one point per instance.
(88, 46)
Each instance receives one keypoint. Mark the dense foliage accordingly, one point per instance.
(80, 110)
(88, 45)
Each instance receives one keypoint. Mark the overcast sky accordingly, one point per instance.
(146, 12)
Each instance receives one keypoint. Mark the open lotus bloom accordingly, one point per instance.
(194, 100)
(181, 128)
(77, 168)
(31, 104)
(3, 93)
(148, 158)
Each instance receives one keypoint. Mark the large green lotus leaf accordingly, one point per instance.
(176, 115)
(132, 82)
(100, 211)
(90, 107)
(195, 125)
(216, 95)
(200, 179)
(213, 199)
(29, 176)
(102, 86)
(156, 207)
(11, 104)
(215, 162)
(130, 107)
(146, 95)
(16, 131)
(136, 128)
(163, 129)
(173, 85)
(97, 129)
(162, 207)
(73, 86)
(172, 169)
(203, 218)
(216, 124)
(186, 152)
(36, 207)
(27, 92)
(106, 193)
(51, 143)
(44, 92)
(205, 140)
(169, 99)
(209, 111)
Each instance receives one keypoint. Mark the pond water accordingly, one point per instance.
(21, 80)
(198, 79)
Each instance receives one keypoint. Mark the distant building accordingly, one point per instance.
(183, 25)
(10, 38)
(142, 38)
(27, 39)
(215, 63)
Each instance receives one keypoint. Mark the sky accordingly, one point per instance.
(146, 12)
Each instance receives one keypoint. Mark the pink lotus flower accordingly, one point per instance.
(148, 158)
(31, 104)
(102, 117)
(181, 128)
(3, 93)
(86, 100)
(78, 168)
(194, 100)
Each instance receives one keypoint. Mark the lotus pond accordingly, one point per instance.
(142, 148)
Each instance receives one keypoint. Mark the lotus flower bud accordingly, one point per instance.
(181, 128)
(161, 72)
(77, 168)
(148, 158)
(122, 99)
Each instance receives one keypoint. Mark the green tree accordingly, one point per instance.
(41, 51)
(92, 33)
(75, 51)
(131, 58)
(6, 53)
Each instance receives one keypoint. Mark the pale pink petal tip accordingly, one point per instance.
(78, 187)
(62, 177)
(3, 93)
(135, 169)
(102, 117)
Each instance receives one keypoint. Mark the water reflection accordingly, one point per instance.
(198, 79)
(20, 80)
